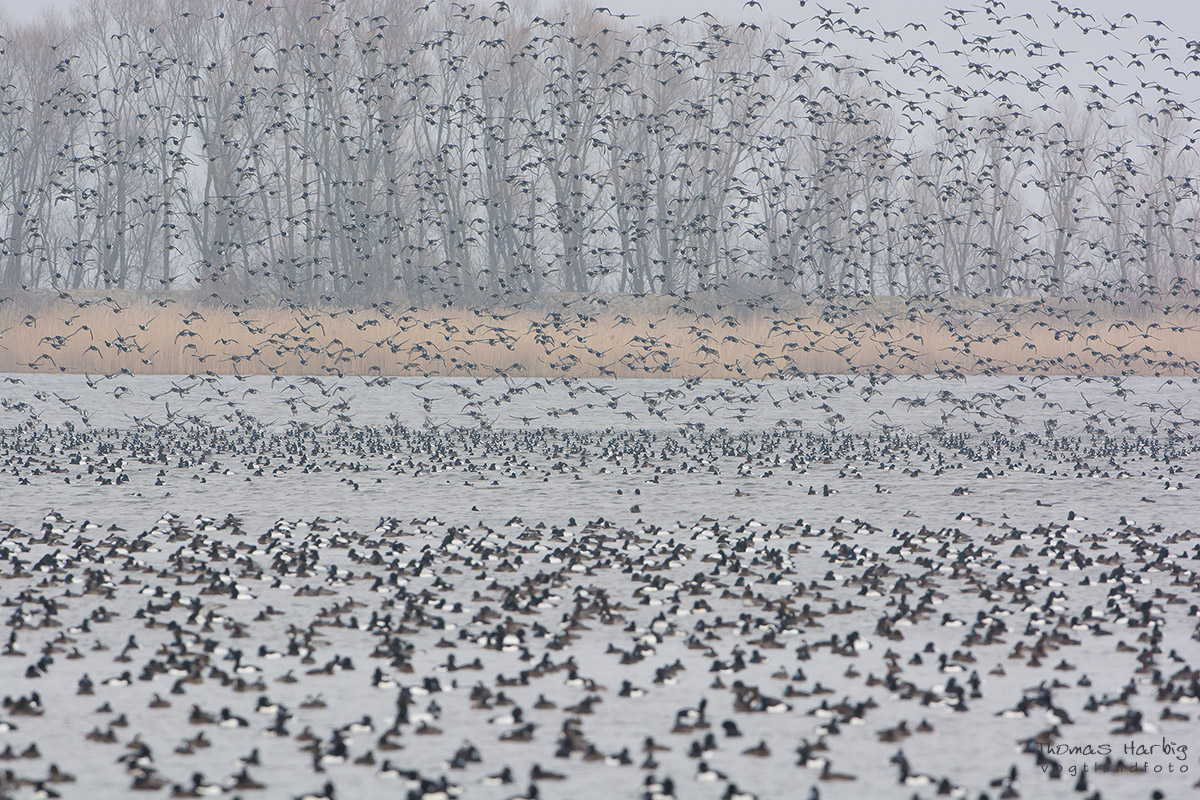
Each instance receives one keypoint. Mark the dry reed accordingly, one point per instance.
(160, 336)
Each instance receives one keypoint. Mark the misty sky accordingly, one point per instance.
(30, 9)
(1179, 14)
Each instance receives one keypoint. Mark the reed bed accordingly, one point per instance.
(144, 335)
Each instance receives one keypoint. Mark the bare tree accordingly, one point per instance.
(339, 151)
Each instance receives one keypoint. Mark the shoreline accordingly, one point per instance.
(147, 334)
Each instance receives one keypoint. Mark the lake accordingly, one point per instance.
(827, 563)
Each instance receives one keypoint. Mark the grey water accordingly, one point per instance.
(628, 488)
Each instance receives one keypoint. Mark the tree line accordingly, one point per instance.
(338, 151)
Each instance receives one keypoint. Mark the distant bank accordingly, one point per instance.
(599, 336)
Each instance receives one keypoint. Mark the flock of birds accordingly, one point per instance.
(599, 336)
(717, 657)
(477, 153)
(938, 498)
(511, 656)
